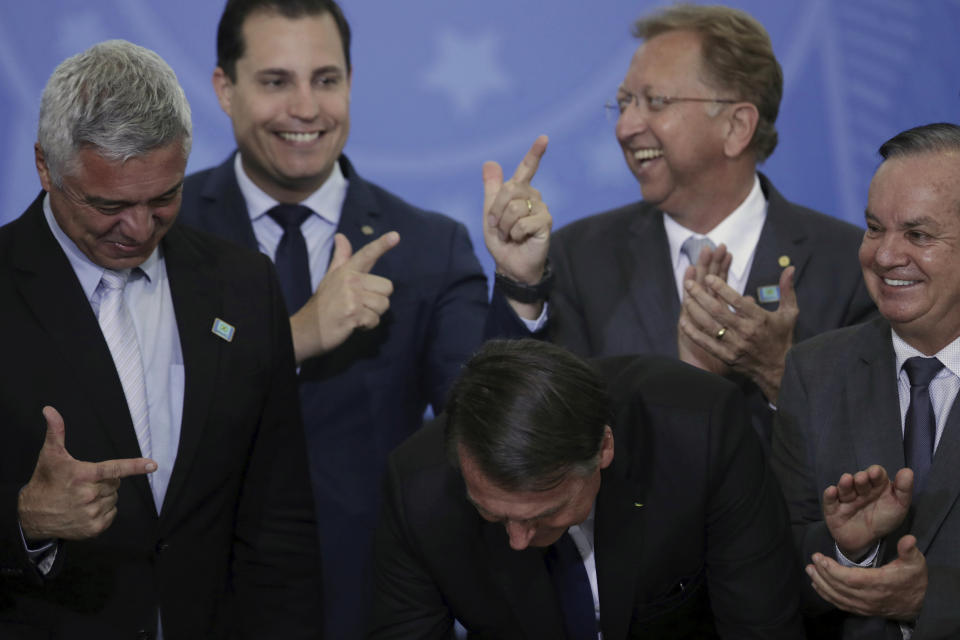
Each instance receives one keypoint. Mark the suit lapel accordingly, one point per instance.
(781, 237)
(225, 209)
(872, 402)
(523, 577)
(50, 288)
(618, 543)
(360, 218)
(194, 289)
(645, 264)
(942, 488)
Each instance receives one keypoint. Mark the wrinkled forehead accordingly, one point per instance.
(917, 185)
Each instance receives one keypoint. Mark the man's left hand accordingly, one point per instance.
(754, 341)
(895, 590)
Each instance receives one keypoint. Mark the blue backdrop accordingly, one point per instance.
(439, 86)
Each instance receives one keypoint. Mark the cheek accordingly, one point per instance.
(865, 254)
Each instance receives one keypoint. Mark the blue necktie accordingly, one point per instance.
(920, 424)
(693, 245)
(293, 263)
(569, 576)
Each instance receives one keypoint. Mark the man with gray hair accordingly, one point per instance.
(153, 482)
(867, 438)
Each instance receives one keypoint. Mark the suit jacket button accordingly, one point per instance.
(162, 546)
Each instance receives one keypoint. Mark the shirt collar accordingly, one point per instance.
(586, 527)
(326, 202)
(740, 231)
(949, 355)
(88, 272)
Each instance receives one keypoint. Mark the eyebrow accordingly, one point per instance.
(280, 71)
(542, 514)
(97, 201)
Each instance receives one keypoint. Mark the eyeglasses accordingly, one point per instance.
(653, 103)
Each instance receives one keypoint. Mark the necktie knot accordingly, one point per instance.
(921, 371)
(289, 216)
(114, 279)
(693, 245)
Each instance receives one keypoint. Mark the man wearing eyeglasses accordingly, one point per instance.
(695, 115)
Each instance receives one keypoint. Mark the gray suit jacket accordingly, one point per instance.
(838, 413)
(615, 291)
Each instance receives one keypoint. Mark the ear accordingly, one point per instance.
(223, 86)
(741, 124)
(45, 181)
(606, 448)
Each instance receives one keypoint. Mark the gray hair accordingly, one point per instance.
(119, 98)
(940, 137)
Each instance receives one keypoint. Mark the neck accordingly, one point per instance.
(721, 195)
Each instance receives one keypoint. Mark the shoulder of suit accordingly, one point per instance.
(613, 222)
(660, 380)
(424, 449)
(837, 344)
(826, 229)
(214, 249)
(395, 209)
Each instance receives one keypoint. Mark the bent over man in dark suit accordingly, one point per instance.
(149, 348)
(696, 114)
(867, 439)
(542, 505)
(386, 300)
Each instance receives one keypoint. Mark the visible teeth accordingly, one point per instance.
(299, 137)
(898, 283)
(647, 154)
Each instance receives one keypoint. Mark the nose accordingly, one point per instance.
(632, 121)
(138, 223)
(520, 534)
(303, 103)
(889, 251)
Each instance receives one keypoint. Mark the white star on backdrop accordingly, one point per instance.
(466, 69)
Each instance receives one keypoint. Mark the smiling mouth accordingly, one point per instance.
(892, 282)
(645, 155)
(296, 136)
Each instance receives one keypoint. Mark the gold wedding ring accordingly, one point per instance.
(529, 205)
(722, 331)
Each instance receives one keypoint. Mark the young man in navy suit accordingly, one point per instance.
(386, 299)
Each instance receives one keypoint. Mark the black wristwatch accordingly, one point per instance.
(526, 293)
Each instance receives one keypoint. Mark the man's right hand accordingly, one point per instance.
(864, 507)
(69, 499)
(349, 297)
(714, 262)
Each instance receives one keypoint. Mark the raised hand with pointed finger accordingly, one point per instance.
(516, 221)
(348, 297)
(67, 498)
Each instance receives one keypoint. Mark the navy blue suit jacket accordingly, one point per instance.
(365, 397)
(616, 294)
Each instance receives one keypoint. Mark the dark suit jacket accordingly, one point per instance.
(615, 291)
(690, 529)
(365, 397)
(839, 413)
(233, 551)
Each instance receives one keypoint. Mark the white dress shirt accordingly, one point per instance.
(318, 230)
(739, 231)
